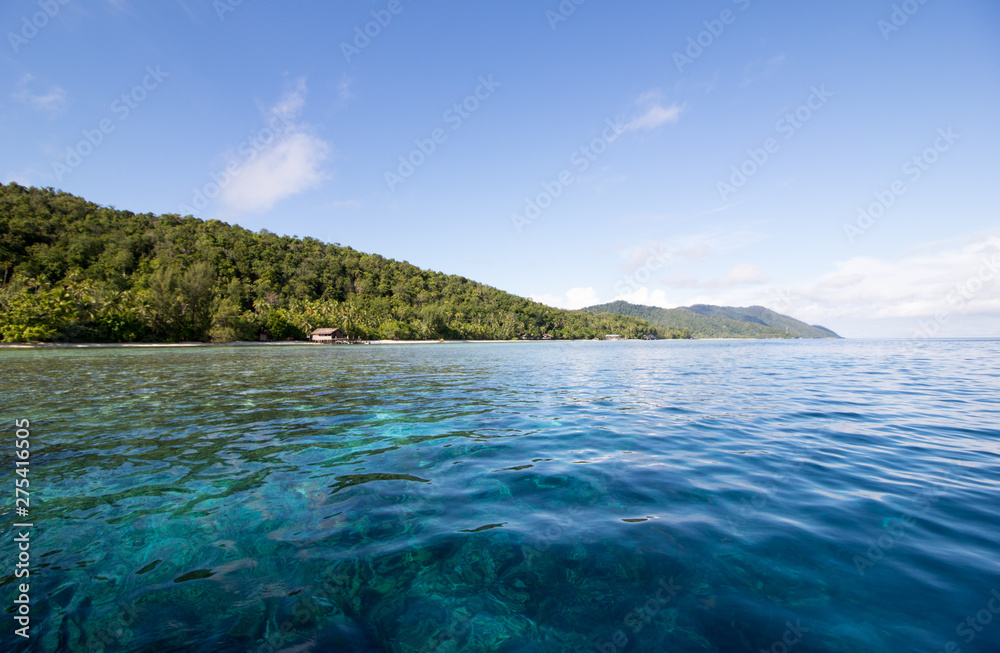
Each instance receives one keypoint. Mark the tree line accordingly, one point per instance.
(79, 272)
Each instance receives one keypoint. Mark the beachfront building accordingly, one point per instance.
(327, 335)
(612, 336)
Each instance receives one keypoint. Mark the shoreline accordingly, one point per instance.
(249, 343)
(245, 343)
(306, 343)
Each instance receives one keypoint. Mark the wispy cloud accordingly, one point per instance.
(955, 285)
(961, 279)
(744, 274)
(190, 13)
(292, 102)
(24, 177)
(123, 6)
(289, 165)
(710, 85)
(739, 276)
(691, 247)
(653, 112)
(344, 91)
(760, 68)
(51, 101)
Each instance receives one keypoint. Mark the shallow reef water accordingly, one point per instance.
(513, 497)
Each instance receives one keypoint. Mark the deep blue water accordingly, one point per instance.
(613, 496)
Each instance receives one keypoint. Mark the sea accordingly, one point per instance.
(682, 496)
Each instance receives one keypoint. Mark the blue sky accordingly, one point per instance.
(833, 161)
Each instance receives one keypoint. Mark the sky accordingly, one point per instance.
(836, 162)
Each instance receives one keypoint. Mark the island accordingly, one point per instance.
(78, 272)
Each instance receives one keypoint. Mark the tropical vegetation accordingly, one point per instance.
(79, 272)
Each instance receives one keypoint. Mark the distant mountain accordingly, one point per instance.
(705, 321)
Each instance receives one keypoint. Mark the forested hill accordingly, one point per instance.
(76, 271)
(704, 321)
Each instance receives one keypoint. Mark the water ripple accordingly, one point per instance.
(683, 496)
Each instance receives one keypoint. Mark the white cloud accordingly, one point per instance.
(654, 114)
(689, 247)
(344, 91)
(581, 297)
(549, 300)
(289, 164)
(955, 285)
(291, 104)
(23, 177)
(286, 168)
(574, 298)
(945, 278)
(648, 97)
(695, 252)
(743, 274)
(647, 297)
(740, 275)
(645, 255)
(51, 101)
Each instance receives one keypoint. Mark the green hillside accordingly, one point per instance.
(77, 271)
(704, 321)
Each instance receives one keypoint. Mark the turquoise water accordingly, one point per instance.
(518, 497)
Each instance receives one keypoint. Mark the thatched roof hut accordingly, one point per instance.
(327, 335)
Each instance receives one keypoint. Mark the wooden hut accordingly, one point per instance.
(327, 335)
